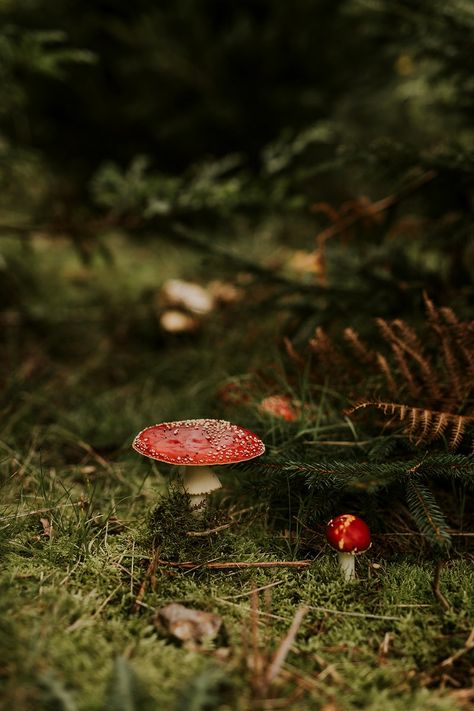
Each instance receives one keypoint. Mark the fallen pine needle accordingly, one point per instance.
(255, 590)
(242, 564)
(149, 575)
(353, 614)
(285, 645)
(246, 608)
(209, 531)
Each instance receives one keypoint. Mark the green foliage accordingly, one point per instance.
(204, 692)
(210, 187)
(427, 514)
(125, 692)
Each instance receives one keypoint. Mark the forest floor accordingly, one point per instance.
(82, 575)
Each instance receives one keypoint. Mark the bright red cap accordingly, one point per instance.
(198, 442)
(348, 534)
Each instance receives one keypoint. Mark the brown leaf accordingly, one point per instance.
(47, 527)
(187, 624)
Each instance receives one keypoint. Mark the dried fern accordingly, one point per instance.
(429, 374)
(421, 424)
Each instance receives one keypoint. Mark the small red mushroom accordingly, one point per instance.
(193, 444)
(279, 406)
(348, 535)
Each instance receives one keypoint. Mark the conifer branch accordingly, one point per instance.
(427, 514)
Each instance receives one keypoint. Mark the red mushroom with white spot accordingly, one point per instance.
(348, 535)
(196, 444)
(279, 406)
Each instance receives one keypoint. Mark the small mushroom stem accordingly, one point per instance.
(347, 565)
(199, 482)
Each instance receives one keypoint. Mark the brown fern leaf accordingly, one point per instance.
(292, 353)
(458, 426)
(444, 331)
(426, 420)
(415, 413)
(422, 425)
(360, 348)
(408, 334)
(404, 368)
(431, 311)
(453, 367)
(428, 376)
(440, 424)
(463, 335)
(385, 369)
(328, 353)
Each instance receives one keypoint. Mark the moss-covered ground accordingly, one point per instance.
(85, 368)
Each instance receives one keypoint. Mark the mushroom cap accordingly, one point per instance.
(198, 442)
(348, 534)
(279, 406)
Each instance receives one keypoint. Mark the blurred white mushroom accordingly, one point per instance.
(188, 295)
(174, 321)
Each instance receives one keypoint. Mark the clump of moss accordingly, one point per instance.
(171, 522)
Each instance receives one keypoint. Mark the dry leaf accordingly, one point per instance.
(47, 527)
(187, 624)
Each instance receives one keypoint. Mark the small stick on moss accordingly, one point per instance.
(209, 531)
(242, 564)
(468, 645)
(443, 601)
(149, 575)
(285, 646)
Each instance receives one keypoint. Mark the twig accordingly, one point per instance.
(353, 614)
(40, 511)
(245, 608)
(150, 572)
(255, 590)
(468, 645)
(443, 601)
(285, 645)
(375, 208)
(241, 564)
(209, 531)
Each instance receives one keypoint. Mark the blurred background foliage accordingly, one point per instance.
(189, 82)
(203, 112)
(319, 155)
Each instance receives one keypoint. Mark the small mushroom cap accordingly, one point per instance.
(279, 406)
(348, 534)
(198, 442)
(188, 295)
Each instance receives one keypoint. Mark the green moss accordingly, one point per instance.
(70, 634)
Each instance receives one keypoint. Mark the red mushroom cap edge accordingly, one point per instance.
(198, 442)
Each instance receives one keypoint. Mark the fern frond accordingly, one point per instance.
(463, 335)
(439, 427)
(405, 371)
(457, 430)
(408, 334)
(427, 514)
(385, 369)
(415, 352)
(423, 424)
(327, 351)
(359, 347)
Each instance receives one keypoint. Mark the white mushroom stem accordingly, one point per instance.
(199, 482)
(347, 565)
